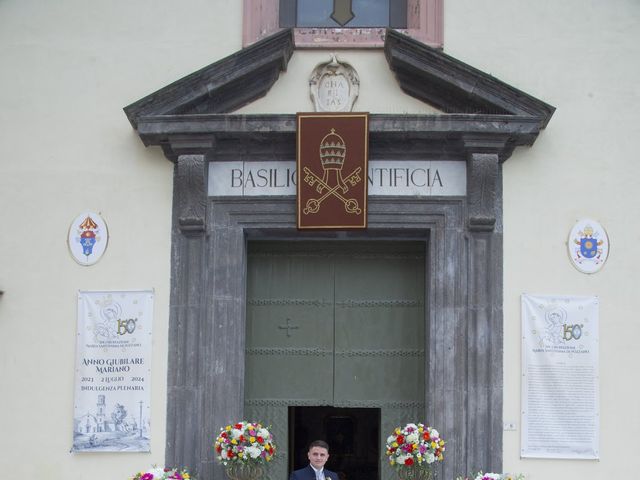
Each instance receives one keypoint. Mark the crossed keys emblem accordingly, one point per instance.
(350, 204)
(333, 151)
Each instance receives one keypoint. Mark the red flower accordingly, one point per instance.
(426, 435)
(241, 439)
(230, 453)
(238, 426)
(260, 440)
(400, 439)
(219, 448)
(408, 461)
(223, 434)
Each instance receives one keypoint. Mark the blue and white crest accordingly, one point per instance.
(588, 246)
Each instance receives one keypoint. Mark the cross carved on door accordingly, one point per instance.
(288, 327)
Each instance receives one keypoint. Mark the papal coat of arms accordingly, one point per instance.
(332, 170)
(588, 246)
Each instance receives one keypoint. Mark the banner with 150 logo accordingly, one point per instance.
(113, 368)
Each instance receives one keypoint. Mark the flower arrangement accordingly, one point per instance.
(244, 443)
(492, 476)
(158, 473)
(415, 445)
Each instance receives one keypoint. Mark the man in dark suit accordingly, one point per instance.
(318, 455)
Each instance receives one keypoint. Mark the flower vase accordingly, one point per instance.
(242, 471)
(414, 473)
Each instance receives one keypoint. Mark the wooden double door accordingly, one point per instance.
(337, 324)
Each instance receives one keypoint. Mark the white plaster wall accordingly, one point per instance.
(66, 70)
(68, 67)
(581, 57)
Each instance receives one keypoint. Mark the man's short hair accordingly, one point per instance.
(319, 443)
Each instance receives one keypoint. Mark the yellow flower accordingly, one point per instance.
(186, 476)
(240, 454)
(397, 431)
(252, 439)
(420, 429)
(234, 441)
(442, 443)
(415, 446)
(434, 445)
(394, 444)
(228, 428)
(392, 462)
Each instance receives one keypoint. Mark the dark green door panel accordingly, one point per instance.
(334, 323)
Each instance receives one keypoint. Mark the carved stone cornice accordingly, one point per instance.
(445, 82)
(223, 86)
(442, 137)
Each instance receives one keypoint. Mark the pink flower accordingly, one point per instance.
(147, 476)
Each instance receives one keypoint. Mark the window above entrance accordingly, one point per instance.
(343, 13)
(344, 23)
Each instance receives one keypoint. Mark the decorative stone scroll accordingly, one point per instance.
(334, 86)
(190, 187)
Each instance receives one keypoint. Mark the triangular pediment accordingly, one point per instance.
(481, 114)
(423, 72)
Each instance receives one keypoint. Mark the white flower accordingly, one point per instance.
(412, 426)
(157, 472)
(264, 433)
(434, 433)
(401, 459)
(412, 438)
(429, 457)
(391, 439)
(253, 452)
(235, 433)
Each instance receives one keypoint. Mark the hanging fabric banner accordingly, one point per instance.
(560, 388)
(113, 369)
(332, 156)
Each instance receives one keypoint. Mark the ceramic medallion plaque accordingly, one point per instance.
(588, 246)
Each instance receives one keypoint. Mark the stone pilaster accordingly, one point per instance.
(187, 314)
(484, 314)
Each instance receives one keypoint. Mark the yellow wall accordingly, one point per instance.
(68, 67)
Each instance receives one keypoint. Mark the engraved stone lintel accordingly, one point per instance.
(334, 86)
(482, 185)
(191, 198)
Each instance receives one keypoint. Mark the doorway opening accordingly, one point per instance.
(353, 435)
